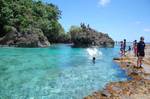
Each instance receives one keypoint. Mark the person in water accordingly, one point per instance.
(94, 60)
(140, 51)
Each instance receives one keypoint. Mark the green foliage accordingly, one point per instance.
(26, 14)
(64, 38)
(7, 28)
(75, 31)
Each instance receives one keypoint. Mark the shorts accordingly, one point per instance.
(141, 54)
(124, 48)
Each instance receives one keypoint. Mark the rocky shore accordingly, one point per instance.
(31, 38)
(136, 88)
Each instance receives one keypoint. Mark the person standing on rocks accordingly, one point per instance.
(124, 47)
(140, 51)
(135, 48)
(121, 48)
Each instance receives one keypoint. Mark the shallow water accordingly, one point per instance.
(57, 72)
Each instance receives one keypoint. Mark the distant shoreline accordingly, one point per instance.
(1, 46)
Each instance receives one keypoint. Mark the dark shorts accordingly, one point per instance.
(141, 54)
(124, 48)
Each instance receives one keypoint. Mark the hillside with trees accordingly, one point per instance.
(33, 23)
(29, 23)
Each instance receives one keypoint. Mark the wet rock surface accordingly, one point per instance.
(124, 90)
(136, 88)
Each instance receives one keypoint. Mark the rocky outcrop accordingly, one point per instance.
(31, 38)
(90, 37)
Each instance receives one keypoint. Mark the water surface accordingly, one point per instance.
(57, 72)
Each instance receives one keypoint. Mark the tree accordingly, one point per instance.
(74, 31)
(26, 14)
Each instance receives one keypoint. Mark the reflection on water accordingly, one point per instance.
(58, 72)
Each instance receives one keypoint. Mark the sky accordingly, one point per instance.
(121, 19)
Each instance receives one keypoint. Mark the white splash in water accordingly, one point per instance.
(93, 52)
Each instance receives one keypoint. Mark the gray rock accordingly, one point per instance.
(90, 37)
(30, 38)
(105, 93)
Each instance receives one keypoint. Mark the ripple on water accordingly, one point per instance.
(58, 72)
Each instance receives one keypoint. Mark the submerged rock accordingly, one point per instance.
(30, 38)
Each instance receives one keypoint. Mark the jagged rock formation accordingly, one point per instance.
(87, 36)
(31, 38)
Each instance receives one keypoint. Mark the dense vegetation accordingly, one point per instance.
(74, 30)
(85, 36)
(33, 23)
(25, 15)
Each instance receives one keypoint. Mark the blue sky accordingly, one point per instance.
(121, 19)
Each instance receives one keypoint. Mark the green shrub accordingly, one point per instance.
(7, 29)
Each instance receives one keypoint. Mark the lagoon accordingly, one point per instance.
(57, 72)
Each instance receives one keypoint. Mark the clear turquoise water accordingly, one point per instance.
(57, 72)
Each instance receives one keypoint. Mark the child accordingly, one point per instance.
(129, 49)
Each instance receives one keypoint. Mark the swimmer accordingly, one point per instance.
(94, 60)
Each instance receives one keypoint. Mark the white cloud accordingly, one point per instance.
(138, 22)
(104, 2)
(147, 30)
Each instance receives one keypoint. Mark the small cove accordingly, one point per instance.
(57, 72)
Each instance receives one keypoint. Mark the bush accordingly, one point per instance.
(7, 29)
